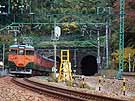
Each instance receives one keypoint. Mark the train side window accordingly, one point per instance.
(29, 52)
(21, 52)
(12, 51)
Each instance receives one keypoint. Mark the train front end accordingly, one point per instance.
(21, 59)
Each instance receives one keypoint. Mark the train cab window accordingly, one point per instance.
(21, 52)
(12, 51)
(29, 52)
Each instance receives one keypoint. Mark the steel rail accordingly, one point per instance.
(62, 93)
(45, 91)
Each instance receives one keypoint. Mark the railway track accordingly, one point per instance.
(61, 93)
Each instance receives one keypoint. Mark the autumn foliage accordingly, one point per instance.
(127, 51)
(129, 21)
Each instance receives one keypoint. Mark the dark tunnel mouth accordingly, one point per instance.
(89, 65)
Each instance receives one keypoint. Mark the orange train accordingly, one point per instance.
(24, 60)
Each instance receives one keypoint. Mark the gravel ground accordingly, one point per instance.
(11, 92)
(113, 86)
(109, 87)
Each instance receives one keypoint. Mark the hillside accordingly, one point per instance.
(71, 16)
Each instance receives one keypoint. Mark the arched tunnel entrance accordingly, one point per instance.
(89, 65)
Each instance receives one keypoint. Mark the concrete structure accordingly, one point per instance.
(83, 60)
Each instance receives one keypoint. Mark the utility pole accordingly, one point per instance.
(108, 9)
(9, 6)
(15, 39)
(98, 50)
(107, 12)
(55, 37)
(54, 44)
(107, 49)
(121, 39)
(129, 62)
(22, 6)
(3, 55)
(75, 61)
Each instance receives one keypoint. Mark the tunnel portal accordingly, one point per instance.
(89, 65)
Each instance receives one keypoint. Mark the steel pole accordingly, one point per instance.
(3, 54)
(98, 50)
(55, 65)
(121, 39)
(55, 59)
(107, 49)
(9, 6)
